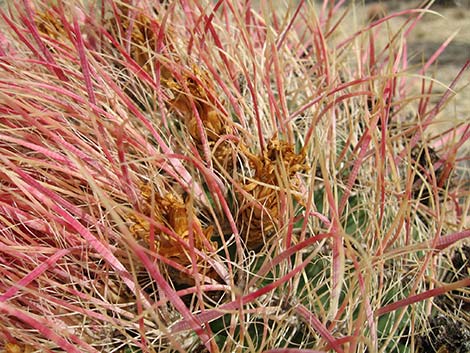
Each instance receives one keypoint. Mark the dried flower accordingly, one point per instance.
(172, 212)
(260, 211)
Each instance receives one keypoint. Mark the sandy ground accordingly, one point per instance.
(426, 38)
(430, 33)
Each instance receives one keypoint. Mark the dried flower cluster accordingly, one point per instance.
(193, 99)
(177, 234)
(273, 180)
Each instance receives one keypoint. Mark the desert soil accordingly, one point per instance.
(430, 33)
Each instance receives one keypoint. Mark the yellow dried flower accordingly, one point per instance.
(259, 212)
(172, 212)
